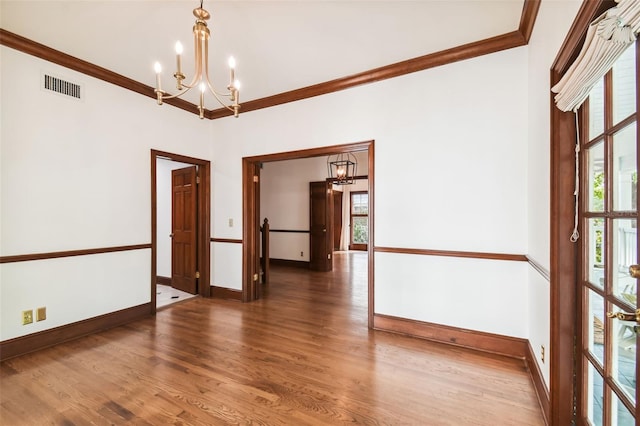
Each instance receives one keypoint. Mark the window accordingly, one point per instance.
(359, 213)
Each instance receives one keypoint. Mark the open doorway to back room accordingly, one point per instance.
(180, 222)
(280, 189)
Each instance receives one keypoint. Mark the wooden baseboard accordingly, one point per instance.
(226, 293)
(43, 339)
(163, 280)
(538, 383)
(513, 347)
(287, 262)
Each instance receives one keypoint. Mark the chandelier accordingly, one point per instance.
(200, 79)
(342, 169)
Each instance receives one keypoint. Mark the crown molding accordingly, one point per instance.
(517, 38)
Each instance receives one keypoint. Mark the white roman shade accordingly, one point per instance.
(607, 38)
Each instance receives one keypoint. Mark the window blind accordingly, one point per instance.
(607, 38)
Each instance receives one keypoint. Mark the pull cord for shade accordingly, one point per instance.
(575, 236)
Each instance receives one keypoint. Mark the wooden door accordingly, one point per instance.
(321, 229)
(607, 279)
(337, 219)
(184, 229)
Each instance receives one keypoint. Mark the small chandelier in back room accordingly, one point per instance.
(342, 169)
(201, 79)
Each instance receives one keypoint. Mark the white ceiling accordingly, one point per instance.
(278, 45)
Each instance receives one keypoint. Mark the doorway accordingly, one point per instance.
(594, 362)
(251, 213)
(608, 268)
(201, 215)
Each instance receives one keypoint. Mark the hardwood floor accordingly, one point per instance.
(301, 355)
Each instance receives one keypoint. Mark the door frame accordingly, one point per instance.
(251, 210)
(563, 253)
(203, 218)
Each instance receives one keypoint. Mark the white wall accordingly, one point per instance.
(451, 174)
(284, 200)
(164, 210)
(76, 175)
(552, 25)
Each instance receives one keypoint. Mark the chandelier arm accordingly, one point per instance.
(215, 95)
(179, 94)
(206, 74)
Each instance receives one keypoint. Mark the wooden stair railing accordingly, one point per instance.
(264, 260)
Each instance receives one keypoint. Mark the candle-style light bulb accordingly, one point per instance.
(236, 84)
(179, 50)
(232, 71)
(158, 69)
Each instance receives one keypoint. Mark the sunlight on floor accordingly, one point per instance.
(166, 295)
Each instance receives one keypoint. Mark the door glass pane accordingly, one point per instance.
(624, 85)
(625, 254)
(594, 395)
(624, 355)
(625, 169)
(360, 230)
(359, 203)
(595, 157)
(620, 415)
(596, 325)
(596, 251)
(596, 110)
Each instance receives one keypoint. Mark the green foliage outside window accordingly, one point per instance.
(598, 205)
(360, 231)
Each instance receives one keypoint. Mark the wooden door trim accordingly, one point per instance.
(251, 227)
(563, 253)
(203, 218)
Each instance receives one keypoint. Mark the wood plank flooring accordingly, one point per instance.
(300, 356)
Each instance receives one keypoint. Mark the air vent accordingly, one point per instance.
(61, 86)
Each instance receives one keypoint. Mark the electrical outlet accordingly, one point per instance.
(542, 353)
(27, 317)
(41, 314)
(230, 223)
(301, 254)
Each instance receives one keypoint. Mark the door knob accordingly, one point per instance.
(634, 271)
(170, 235)
(625, 316)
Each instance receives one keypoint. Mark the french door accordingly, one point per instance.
(359, 220)
(609, 319)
